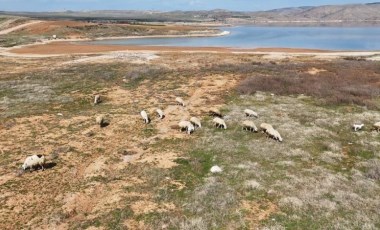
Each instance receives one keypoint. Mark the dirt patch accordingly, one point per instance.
(258, 211)
(144, 207)
(18, 27)
(138, 58)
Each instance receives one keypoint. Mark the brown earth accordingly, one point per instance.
(72, 48)
(75, 187)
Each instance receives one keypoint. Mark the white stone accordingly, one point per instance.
(215, 169)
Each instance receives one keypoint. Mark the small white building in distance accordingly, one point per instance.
(54, 36)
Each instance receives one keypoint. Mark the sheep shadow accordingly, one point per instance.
(50, 165)
(104, 124)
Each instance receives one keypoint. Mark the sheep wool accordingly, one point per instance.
(145, 117)
(33, 161)
(250, 113)
(180, 101)
(219, 123)
(160, 113)
(196, 122)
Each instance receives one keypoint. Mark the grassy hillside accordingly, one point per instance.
(365, 14)
(89, 30)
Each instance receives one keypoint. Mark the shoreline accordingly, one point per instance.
(59, 47)
(7, 51)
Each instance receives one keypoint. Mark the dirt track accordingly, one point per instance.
(9, 30)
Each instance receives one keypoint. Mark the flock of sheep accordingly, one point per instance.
(189, 127)
(194, 122)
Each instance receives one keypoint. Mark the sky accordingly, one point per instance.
(161, 5)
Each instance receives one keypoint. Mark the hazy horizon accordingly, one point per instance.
(164, 5)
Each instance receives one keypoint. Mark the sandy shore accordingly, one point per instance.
(78, 48)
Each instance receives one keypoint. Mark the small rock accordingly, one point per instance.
(215, 169)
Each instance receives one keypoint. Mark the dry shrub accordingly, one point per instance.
(343, 82)
(146, 72)
(374, 170)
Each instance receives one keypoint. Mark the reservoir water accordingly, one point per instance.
(330, 38)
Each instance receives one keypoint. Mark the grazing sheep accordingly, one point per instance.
(33, 161)
(357, 127)
(145, 117)
(196, 122)
(97, 99)
(215, 113)
(160, 113)
(250, 113)
(274, 134)
(100, 120)
(180, 101)
(265, 126)
(219, 123)
(277, 136)
(250, 126)
(186, 125)
(376, 126)
(190, 128)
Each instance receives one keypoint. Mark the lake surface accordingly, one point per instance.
(331, 38)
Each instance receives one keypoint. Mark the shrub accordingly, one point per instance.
(344, 82)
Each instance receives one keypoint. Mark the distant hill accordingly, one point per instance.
(361, 13)
(353, 12)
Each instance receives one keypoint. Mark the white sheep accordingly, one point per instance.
(33, 161)
(357, 127)
(265, 126)
(215, 113)
(376, 126)
(145, 117)
(196, 122)
(274, 134)
(186, 125)
(250, 126)
(180, 101)
(190, 128)
(97, 99)
(160, 113)
(250, 113)
(277, 136)
(100, 120)
(219, 123)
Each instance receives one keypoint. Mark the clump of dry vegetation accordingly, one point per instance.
(341, 82)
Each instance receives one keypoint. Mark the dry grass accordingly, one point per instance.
(131, 175)
(342, 82)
